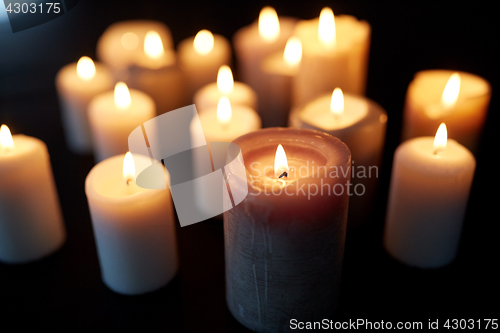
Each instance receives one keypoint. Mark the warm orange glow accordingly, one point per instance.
(269, 24)
(85, 68)
(280, 162)
(130, 41)
(440, 139)
(203, 42)
(337, 102)
(128, 168)
(326, 27)
(293, 51)
(122, 95)
(224, 111)
(451, 91)
(153, 46)
(6, 142)
(225, 81)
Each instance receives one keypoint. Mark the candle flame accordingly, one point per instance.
(293, 51)
(122, 95)
(337, 102)
(440, 139)
(6, 141)
(85, 68)
(451, 91)
(269, 24)
(203, 42)
(153, 46)
(130, 41)
(224, 111)
(280, 162)
(128, 168)
(225, 81)
(326, 27)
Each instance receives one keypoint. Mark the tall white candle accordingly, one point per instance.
(133, 227)
(31, 223)
(113, 115)
(77, 84)
(430, 185)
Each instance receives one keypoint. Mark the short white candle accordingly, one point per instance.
(113, 115)
(77, 84)
(31, 223)
(238, 93)
(430, 185)
(133, 228)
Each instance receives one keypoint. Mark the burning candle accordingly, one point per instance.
(113, 115)
(459, 99)
(200, 58)
(337, 45)
(133, 227)
(430, 185)
(361, 124)
(259, 40)
(238, 93)
(77, 84)
(278, 71)
(287, 236)
(31, 223)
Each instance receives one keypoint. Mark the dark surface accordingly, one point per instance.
(65, 292)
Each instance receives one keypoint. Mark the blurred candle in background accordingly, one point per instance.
(335, 53)
(430, 184)
(112, 117)
(200, 58)
(238, 93)
(133, 227)
(31, 223)
(459, 99)
(77, 84)
(361, 124)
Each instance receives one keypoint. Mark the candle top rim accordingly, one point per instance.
(102, 77)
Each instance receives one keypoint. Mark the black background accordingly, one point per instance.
(64, 291)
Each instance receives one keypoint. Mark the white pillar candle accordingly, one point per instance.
(77, 84)
(255, 42)
(200, 58)
(335, 54)
(133, 227)
(113, 115)
(361, 124)
(430, 185)
(463, 105)
(120, 46)
(31, 223)
(223, 123)
(156, 73)
(278, 71)
(238, 93)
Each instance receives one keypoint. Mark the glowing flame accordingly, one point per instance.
(280, 162)
(440, 139)
(6, 142)
(337, 102)
(451, 91)
(122, 95)
(326, 27)
(203, 42)
(128, 168)
(224, 111)
(225, 81)
(293, 51)
(153, 46)
(130, 41)
(269, 24)
(85, 68)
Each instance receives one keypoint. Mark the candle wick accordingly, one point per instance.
(129, 181)
(284, 174)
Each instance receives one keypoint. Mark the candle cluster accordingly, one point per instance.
(284, 242)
